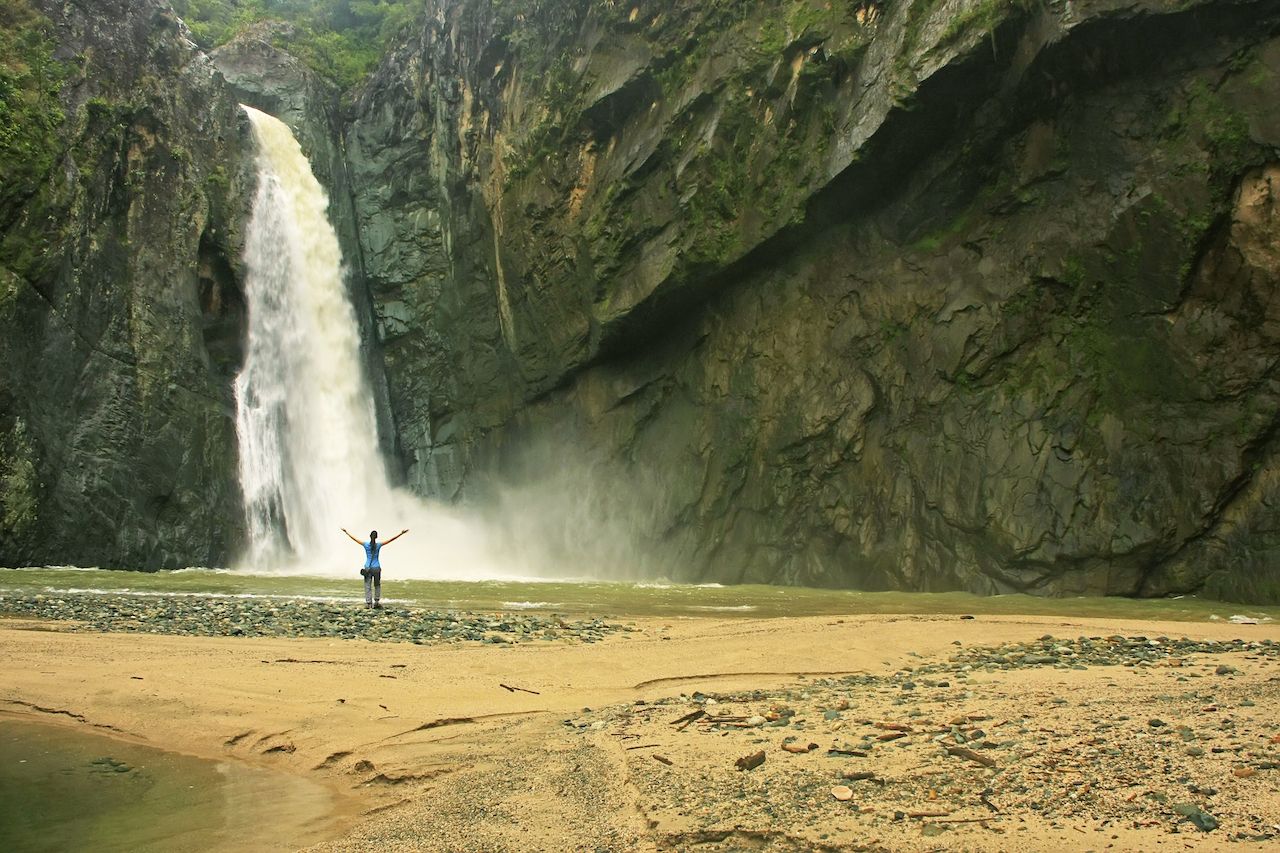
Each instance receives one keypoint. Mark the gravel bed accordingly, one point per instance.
(218, 616)
(1183, 736)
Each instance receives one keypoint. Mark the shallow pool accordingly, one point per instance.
(64, 789)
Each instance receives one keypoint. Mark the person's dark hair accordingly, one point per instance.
(373, 534)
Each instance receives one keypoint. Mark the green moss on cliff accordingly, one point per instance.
(749, 146)
(983, 16)
(9, 285)
(30, 113)
(1208, 118)
(18, 480)
(1225, 128)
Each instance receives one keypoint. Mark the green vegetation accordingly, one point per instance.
(339, 39)
(30, 112)
(1091, 334)
(985, 15)
(982, 16)
(946, 233)
(1225, 128)
(9, 284)
(218, 179)
(1207, 118)
(750, 144)
(18, 481)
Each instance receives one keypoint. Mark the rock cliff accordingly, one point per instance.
(120, 311)
(941, 294)
(971, 294)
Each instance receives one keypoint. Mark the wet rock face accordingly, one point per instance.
(121, 312)
(927, 296)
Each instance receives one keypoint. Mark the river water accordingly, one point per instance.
(66, 790)
(587, 597)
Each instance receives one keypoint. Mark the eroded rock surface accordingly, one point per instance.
(931, 295)
(120, 308)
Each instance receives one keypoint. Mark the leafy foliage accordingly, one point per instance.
(30, 112)
(339, 39)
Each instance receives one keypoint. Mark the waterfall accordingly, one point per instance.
(309, 457)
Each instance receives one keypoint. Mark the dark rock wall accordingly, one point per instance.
(931, 295)
(120, 311)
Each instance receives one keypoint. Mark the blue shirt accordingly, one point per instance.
(371, 550)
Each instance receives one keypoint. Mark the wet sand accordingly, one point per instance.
(426, 750)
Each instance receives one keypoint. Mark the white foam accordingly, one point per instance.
(309, 455)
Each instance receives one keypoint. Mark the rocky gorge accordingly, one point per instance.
(943, 294)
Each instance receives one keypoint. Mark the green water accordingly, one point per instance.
(63, 789)
(618, 600)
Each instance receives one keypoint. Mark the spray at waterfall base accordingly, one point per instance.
(309, 458)
(309, 454)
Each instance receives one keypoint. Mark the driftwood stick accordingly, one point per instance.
(962, 752)
(510, 689)
(682, 723)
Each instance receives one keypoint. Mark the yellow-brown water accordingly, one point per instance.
(616, 599)
(65, 789)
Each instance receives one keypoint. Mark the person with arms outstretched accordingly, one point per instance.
(372, 571)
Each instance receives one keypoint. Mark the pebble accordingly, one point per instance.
(215, 616)
(1204, 821)
(1025, 750)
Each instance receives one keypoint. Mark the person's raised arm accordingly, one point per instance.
(394, 538)
(352, 538)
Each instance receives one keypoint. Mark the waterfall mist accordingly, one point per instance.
(309, 456)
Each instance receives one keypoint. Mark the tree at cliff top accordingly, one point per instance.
(340, 39)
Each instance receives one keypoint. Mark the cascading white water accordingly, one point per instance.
(309, 459)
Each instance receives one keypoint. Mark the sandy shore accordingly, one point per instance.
(425, 749)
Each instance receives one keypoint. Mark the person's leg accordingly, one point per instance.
(368, 590)
(377, 587)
